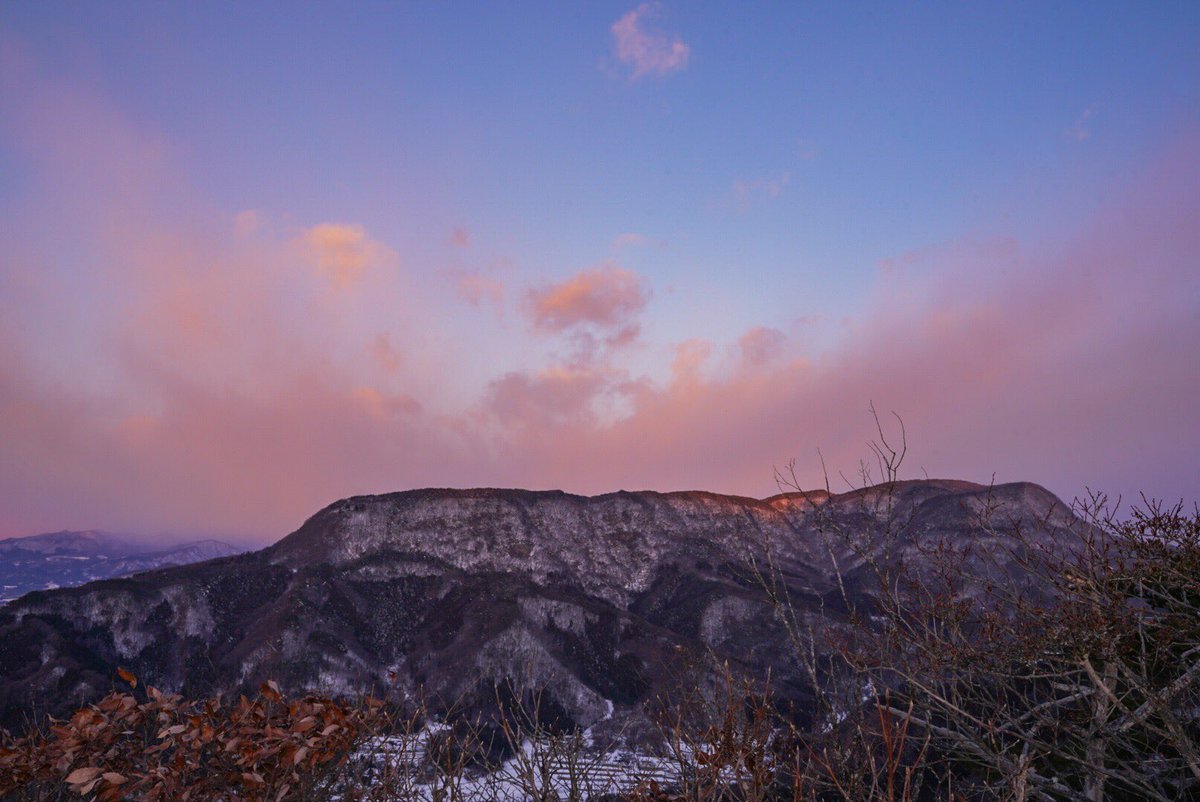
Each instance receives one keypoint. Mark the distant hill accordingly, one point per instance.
(607, 602)
(66, 559)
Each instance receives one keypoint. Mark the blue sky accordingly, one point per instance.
(699, 171)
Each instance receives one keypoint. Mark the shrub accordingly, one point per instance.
(162, 747)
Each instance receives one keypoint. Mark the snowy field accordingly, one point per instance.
(403, 767)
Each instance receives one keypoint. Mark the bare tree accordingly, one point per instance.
(1036, 659)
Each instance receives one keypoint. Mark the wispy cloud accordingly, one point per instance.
(1080, 131)
(387, 356)
(629, 239)
(475, 288)
(246, 223)
(746, 191)
(761, 345)
(383, 406)
(550, 397)
(645, 51)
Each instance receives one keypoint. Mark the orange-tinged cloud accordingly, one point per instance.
(607, 296)
(343, 251)
(383, 407)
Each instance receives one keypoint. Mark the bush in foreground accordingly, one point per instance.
(163, 747)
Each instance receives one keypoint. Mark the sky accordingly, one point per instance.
(257, 257)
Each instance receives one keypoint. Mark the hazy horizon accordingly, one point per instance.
(259, 259)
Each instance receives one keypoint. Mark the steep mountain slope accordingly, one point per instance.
(605, 601)
(66, 559)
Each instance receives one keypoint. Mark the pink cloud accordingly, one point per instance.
(623, 337)
(761, 345)
(548, 398)
(460, 237)
(644, 51)
(474, 289)
(607, 296)
(690, 358)
(389, 358)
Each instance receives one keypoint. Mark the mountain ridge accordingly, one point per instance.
(598, 599)
(69, 558)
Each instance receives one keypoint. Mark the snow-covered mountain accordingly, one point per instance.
(66, 559)
(606, 602)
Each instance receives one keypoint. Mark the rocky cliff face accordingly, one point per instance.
(606, 602)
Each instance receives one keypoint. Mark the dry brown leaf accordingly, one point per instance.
(127, 676)
(80, 776)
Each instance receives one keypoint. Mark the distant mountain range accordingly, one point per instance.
(607, 602)
(66, 559)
